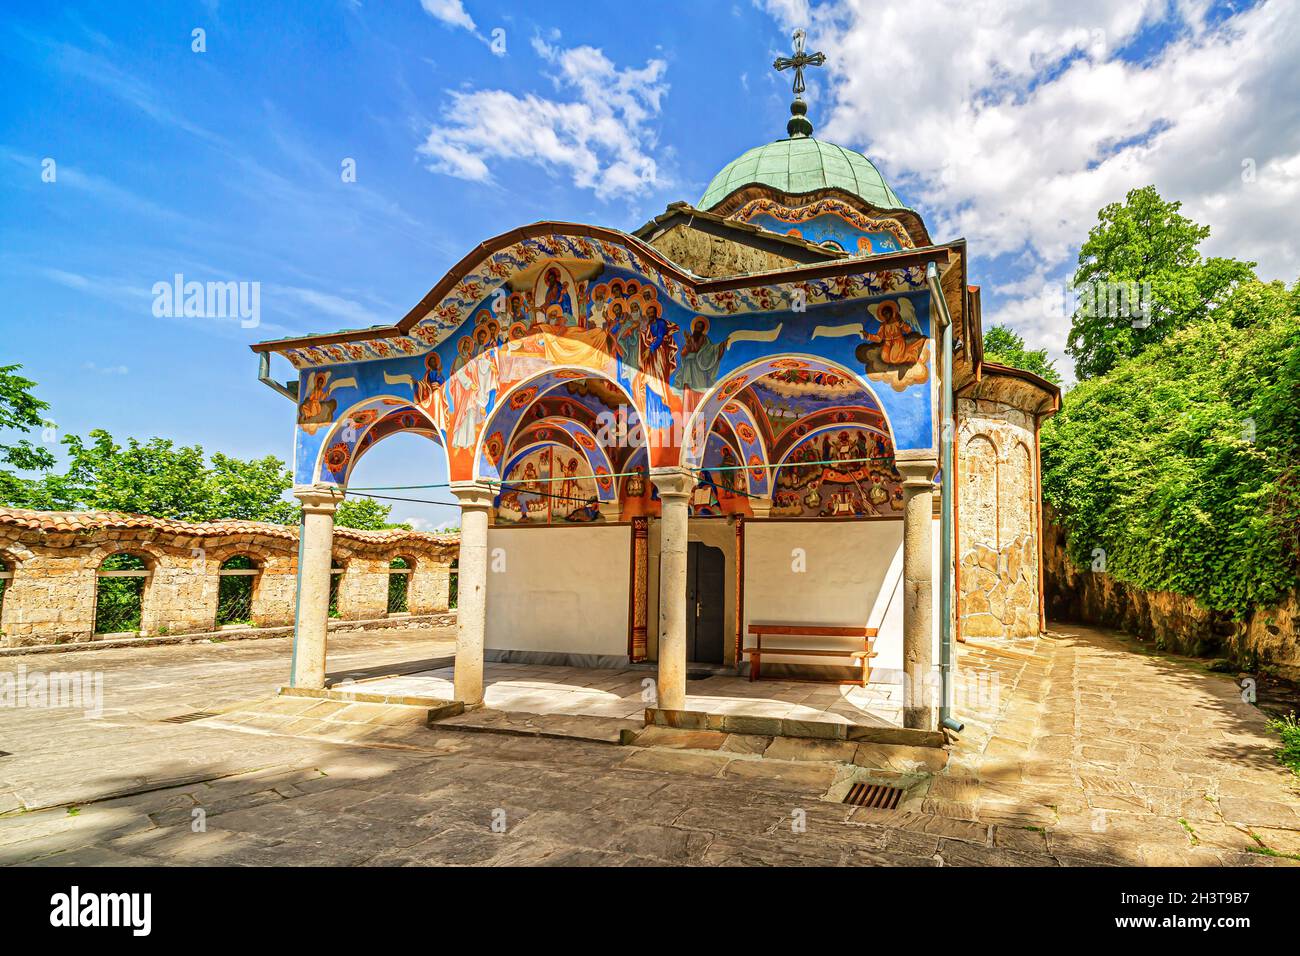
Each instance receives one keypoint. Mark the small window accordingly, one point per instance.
(399, 585)
(237, 579)
(119, 593)
(452, 582)
(337, 570)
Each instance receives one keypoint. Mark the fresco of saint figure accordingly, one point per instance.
(895, 349)
(428, 391)
(704, 500)
(588, 512)
(557, 304)
(700, 360)
(473, 392)
(658, 351)
(316, 409)
(569, 488)
(530, 478)
(636, 483)
(730, 477)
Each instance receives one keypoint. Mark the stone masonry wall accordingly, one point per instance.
(1268, 637)
(54, 558)
(997, 495)
(714, 256)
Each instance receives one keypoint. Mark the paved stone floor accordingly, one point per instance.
(1078, 752)
(593, 692)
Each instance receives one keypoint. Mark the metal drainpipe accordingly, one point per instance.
(945, 519)
(289, 389)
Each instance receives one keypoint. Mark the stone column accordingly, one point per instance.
(471, 601)
(918, 589)
(311, 619)
(675, 488)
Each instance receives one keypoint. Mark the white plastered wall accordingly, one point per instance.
(853, 576)
(559, 591)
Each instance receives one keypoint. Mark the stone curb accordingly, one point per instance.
(786, 727)
(437, 707)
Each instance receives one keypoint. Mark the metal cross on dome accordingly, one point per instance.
(799, 61)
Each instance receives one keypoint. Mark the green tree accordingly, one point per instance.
(250, 490)
(365, 514)
(1003, 346)
(1147, 247)
(1179, 466)
(156, 478)
(20, 411)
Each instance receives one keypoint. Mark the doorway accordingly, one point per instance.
(705, 595)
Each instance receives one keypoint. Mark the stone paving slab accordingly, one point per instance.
(1102, 757)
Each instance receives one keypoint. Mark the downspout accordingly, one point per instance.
(946, 720)
(288, 389)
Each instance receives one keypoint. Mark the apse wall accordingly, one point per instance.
(558, 595)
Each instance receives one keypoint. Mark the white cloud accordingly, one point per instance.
(450, 12)
(326, 304)
(601, 137)
(1013, 123)
(791, 14)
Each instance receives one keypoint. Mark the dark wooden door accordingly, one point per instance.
(705, 596)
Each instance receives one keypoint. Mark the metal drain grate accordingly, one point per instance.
(878, 796)
(186, 718)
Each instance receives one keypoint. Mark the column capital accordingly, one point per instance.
(673, 482)
(473, 494)
(319, 499)
(917, 472)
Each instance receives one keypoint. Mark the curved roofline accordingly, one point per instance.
(738, 197)
(1051, 393)
(896, 260)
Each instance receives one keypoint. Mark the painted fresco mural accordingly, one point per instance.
(838, 471)
(831, 223)
(547, 484)
(643, 364)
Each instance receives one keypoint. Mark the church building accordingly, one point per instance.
(765, 417)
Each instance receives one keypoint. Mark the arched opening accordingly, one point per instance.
(399, 462)
(362, 427)
(400, 570)
(337, 570)
(6, 575)
(121, 585)
(793, 437)
(236, 584)
(555, 446)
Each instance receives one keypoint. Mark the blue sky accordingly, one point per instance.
(226, 164)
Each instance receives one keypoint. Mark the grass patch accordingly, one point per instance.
(1265, 851)
(1288, 728)
(1191, 834)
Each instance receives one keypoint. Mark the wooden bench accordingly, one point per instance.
(861, 657)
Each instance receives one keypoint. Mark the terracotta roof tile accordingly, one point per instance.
(70, 521)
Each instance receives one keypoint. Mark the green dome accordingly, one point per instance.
(801, 165)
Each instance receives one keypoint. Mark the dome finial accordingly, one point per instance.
(799, 124)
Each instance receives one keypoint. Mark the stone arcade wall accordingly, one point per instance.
(54, 557)
(1269, 636)
(997, 504)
